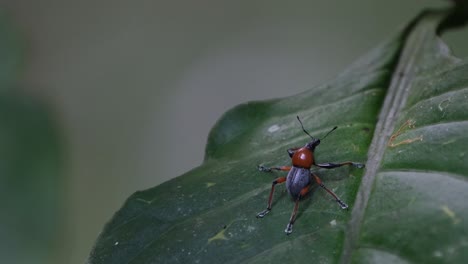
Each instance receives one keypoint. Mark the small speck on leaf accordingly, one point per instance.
(273, 128)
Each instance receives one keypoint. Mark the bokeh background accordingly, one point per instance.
(135, 86)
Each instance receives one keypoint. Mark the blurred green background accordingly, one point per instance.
(132, 88)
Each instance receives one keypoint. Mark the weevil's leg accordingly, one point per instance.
(342, 204)
(270, 169)
(266, 211)
(303, 192)
(291, 151)
(330, 165)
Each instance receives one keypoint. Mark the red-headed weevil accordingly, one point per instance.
(300, 178)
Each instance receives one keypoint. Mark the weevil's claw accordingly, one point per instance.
(288, 229)
(263, 213)
(342, 204)
(359, 165)
(263, 168)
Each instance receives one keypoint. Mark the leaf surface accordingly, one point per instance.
(417, 208)
(208, 214)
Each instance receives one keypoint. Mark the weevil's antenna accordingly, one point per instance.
(305, 131)
(333, 129)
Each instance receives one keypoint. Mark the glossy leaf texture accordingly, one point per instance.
(30, 165)
(208, 214)
(418, 210)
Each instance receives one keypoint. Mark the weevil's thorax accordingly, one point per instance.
(303, 158)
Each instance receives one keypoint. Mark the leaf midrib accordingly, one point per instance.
(394, 103)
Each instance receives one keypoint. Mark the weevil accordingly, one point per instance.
(300, 178)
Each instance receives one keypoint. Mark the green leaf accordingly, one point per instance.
(30, 178)
(30, 186)
(208, 214)
(418, 208)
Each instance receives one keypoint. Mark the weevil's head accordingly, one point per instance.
(312, 144)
